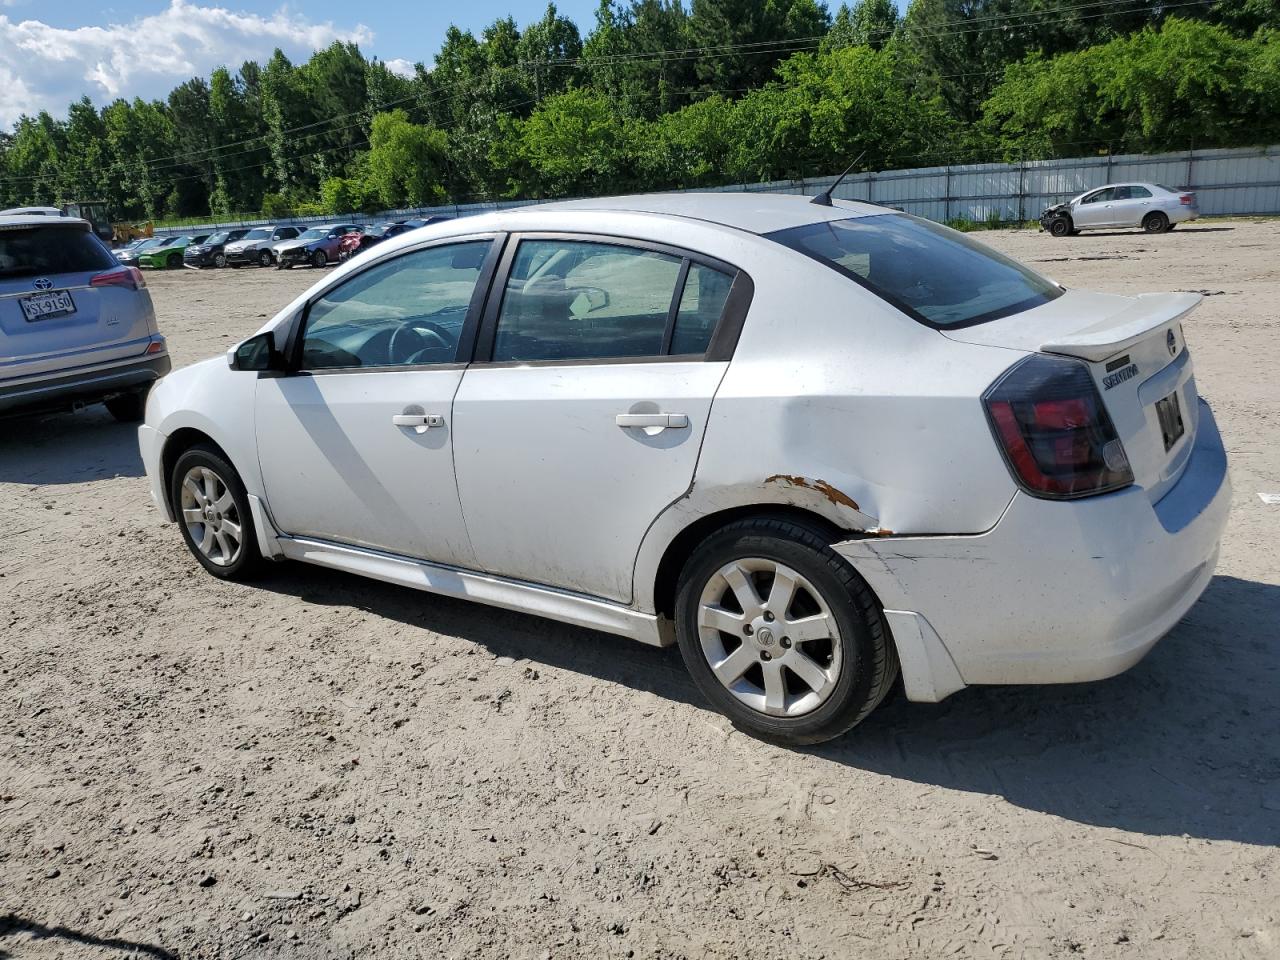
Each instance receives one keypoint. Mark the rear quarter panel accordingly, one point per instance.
(836, 403)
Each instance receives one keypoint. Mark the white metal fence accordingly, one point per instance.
(1244, 180)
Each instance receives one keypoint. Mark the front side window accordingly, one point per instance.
(409, 310)
(579, 300)
(934, 274)
(1101, 196)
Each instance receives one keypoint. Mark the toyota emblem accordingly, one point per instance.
(1172, 343)
(44, 283)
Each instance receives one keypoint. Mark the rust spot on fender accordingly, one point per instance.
(838, 497)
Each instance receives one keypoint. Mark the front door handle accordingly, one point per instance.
(423, 421)
(675, 421)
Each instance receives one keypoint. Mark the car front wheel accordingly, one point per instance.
(264, 258)
(319, 259)
(1060, 227)
(212, 508)
(219, 260)
(781, 634)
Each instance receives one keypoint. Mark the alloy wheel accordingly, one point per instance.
(211, 516)
(769, 637)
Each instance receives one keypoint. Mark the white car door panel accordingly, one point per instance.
(554, 488)
(583, 418)
(336, 465)
(356, 446)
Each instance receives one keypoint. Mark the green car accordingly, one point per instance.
(168, 252)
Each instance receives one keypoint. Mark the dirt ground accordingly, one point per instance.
(322, 766)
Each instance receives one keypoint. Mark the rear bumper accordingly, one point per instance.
(1056, 592)
(64, 389)
(1181, 214)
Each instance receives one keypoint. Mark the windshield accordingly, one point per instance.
(932, 273)
(218, 238)
(315, 233)
(259, 234)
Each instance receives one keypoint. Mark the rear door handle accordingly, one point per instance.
(675, 421)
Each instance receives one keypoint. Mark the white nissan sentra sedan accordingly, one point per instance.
(819, 447)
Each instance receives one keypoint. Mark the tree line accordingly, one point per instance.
(660, 95)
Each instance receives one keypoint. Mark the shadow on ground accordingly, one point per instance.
(68, 448)
(1138, 232)
(1184, 743)
(12, 925)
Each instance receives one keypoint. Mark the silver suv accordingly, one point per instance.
(76, 327)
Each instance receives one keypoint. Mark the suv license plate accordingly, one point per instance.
(1169, 413)
(41, 306)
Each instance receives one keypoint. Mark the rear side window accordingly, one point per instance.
(37, 251)
(1139, 193)
(706, 291)
(932, 273)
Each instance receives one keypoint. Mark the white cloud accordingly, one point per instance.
(46, 68)
(401, 66)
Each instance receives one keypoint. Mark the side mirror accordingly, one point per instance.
(256, 353)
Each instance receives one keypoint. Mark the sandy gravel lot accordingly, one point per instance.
(320, 766)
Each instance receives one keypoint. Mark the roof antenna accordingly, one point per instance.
(824, 198)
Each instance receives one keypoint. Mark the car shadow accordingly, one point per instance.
(12, 925)
(68, 448)
(1184, 743)
(1139, 232)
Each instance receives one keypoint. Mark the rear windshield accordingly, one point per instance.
(37, 251)
(932, 273)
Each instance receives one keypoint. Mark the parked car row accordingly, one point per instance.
(278, 245)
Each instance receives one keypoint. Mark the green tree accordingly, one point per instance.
(406, 161)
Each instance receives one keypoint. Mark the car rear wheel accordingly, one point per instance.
(1060, 227)
(781, 634)
(212, 508)
(219, 260)
(128, 407)
(264, 258)
(1155, 222)
(318, 259)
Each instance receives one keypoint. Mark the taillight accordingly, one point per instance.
(1054, 431)
(1187, 199)
(130, 277)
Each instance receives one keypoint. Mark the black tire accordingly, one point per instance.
(319, 259)
(128, 407)
(1155, 222)
(219, 260)
(1060, 226)
(174, 261)
(247, 562)
(869, 662)
(265, 259)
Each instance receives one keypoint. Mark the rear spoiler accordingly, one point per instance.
(1122, 330)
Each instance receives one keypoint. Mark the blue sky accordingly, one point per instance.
(55, 51)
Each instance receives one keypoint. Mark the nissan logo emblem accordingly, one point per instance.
(44, 283)
(1172, 343)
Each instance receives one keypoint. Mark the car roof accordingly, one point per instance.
(752, 212)
(41, 220)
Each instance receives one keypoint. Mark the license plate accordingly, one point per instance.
(41, 306)
(1169, 413)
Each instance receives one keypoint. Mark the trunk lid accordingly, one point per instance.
(1138, 358)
